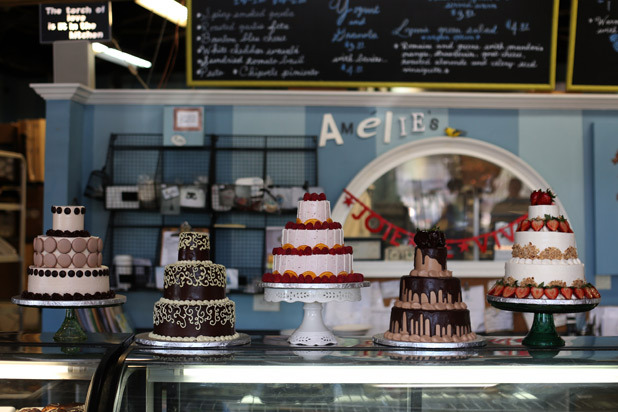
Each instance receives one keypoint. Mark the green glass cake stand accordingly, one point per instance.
(543, 332)
(70, 330)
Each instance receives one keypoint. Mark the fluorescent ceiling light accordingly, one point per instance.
(116, 56)
(168, 9)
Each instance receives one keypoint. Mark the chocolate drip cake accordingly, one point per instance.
(430, 308)
(67, 261)
(194, 306)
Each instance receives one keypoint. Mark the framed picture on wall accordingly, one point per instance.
(366, 248)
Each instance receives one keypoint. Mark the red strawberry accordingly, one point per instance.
(497, 289)
(595, 292)
(564, 226)
(285, 278)
(537, 291)
(552, 224)
(546, 198)
(534, 197)
(314, 196)
(508, 291)
(566, 292)
(276, 277)
(537, 224)
(307, 196)
(522, 291)
(552, 292)
(588, 292)
(309, 226)
(321, 196)
(491, 290)
(524, 225)
(580, 293)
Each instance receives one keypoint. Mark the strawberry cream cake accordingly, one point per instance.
(312, 248)
(544, 263)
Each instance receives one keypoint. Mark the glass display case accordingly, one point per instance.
(357, 375)
(36, 371)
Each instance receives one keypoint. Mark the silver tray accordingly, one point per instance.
(548, 302)
(476, 343)
(67, 304)
(145, 339)
(350, 285)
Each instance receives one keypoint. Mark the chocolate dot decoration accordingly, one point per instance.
(55, 274)
(53, 208)
(78, 273)
(63, 274)
(88, 273)
(47, 273)
(77, 210)
(67, 211)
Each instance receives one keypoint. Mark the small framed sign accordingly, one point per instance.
(188, 119)
(366, 248)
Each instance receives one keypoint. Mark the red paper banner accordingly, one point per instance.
(393, 233)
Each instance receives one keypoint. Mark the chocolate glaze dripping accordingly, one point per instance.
(438, 253)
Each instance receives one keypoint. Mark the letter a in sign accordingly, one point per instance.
(329, 131)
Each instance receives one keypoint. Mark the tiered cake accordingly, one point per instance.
(430, 307)
(194, 306)
(67, 261)
(312, 248)
(545, 264)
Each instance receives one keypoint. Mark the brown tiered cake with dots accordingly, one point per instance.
(67, 261)
(194, 306)
(430, 307)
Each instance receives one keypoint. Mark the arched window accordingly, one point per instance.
(474, 191)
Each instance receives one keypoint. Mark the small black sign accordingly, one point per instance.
(75, 21)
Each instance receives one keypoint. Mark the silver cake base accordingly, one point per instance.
(68, 304)
(545, 302)
(145, 339)
(476, 343)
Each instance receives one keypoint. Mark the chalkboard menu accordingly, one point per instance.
(489, 44)
(593, 46)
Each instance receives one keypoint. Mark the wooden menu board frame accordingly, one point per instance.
(571, 83)
(542, 44)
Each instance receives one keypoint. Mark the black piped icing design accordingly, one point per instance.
(68, 273)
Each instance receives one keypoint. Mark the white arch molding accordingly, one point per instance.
(428, 147)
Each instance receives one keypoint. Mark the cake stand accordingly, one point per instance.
(313, 331)
(543, 332)
(147, 340)
(446, 346)
(70, 330)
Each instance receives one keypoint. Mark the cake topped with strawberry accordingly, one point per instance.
(312, 247)
(544, 263)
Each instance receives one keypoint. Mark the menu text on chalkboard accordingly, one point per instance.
(489, 44)
(593, 46)
(75, 21)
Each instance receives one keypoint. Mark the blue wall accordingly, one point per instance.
(558, 144)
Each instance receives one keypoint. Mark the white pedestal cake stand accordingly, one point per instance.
(313, 331)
